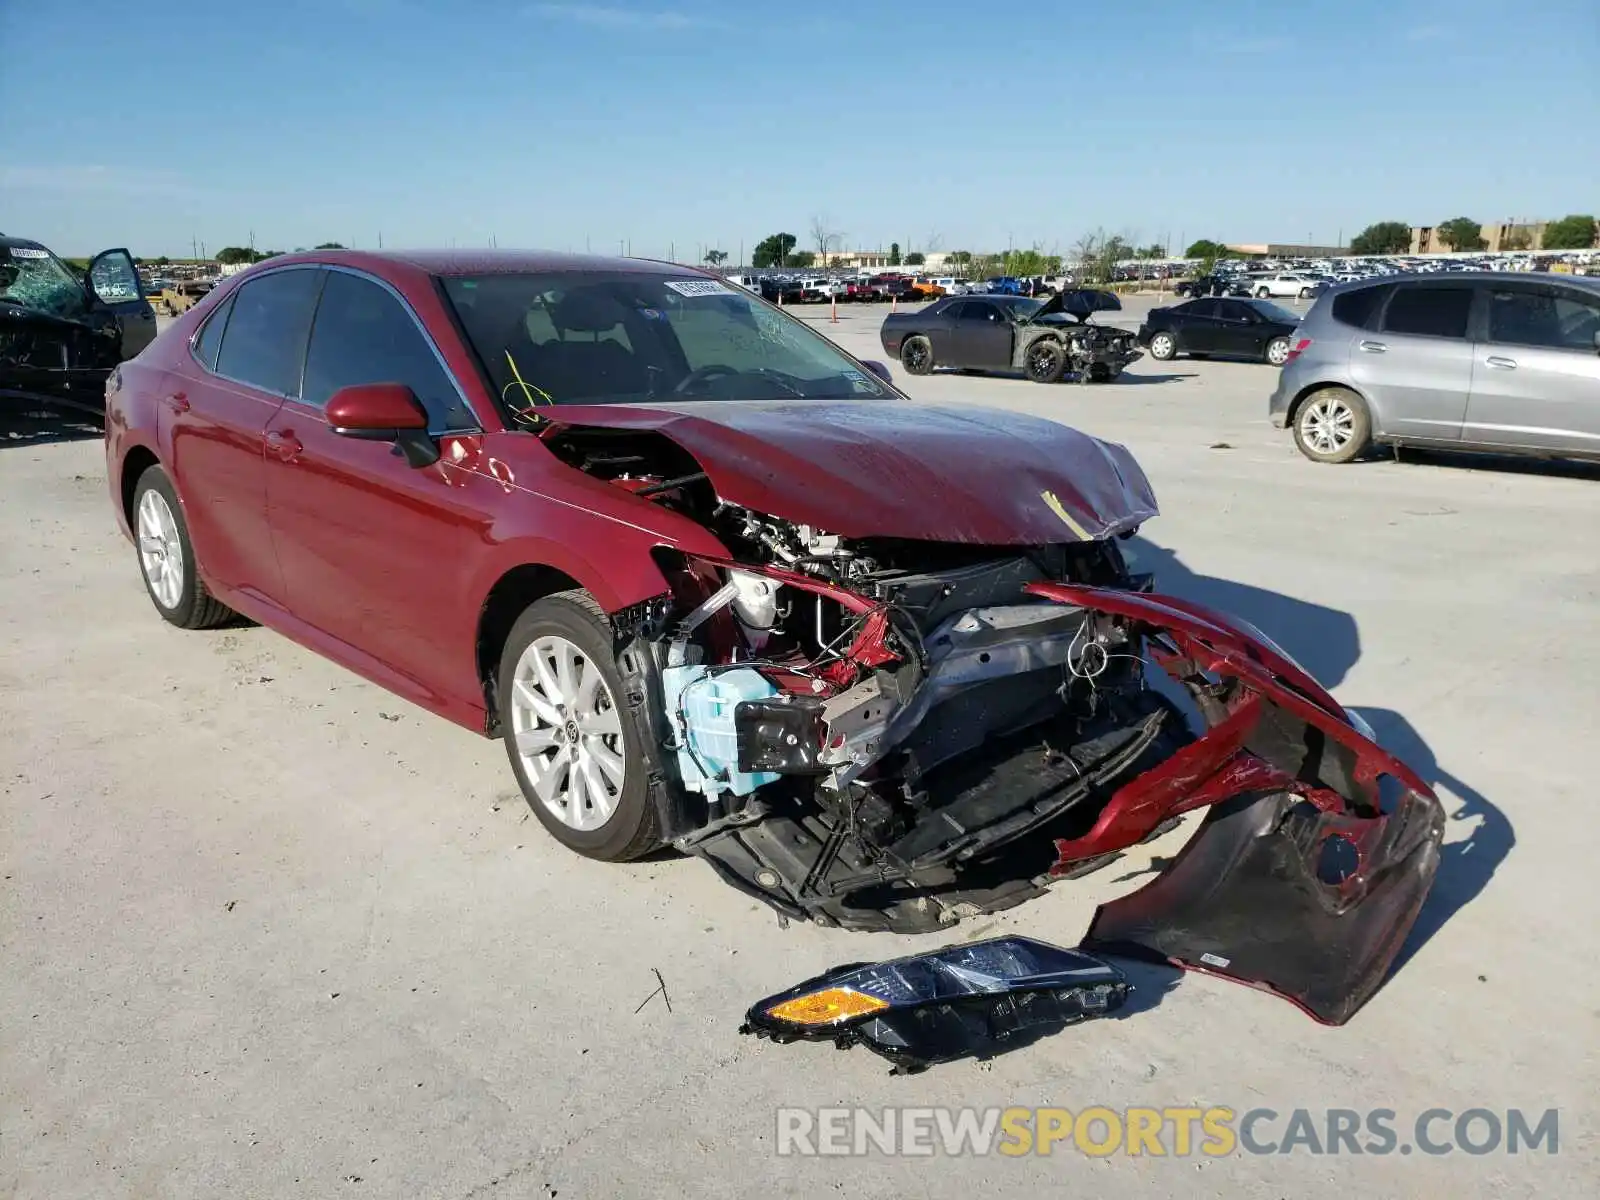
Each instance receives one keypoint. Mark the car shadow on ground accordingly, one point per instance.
(1327, 642)
(1509, 464)
(1128, 377)
(31, 423)
(1466, 864)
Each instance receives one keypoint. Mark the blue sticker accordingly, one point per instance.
(651, 314)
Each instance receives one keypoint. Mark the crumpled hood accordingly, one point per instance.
(894, 468)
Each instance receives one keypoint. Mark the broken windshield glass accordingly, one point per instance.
(34, 278)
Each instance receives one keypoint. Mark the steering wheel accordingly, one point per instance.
(703, 375)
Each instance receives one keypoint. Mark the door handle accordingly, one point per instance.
(283, 444)
(1504, 364)
(1374, 347)
(178, 402)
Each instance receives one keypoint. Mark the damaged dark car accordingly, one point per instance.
(1044, 340)
(61, 335)
(882, 665)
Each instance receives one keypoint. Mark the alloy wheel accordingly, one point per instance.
(568, 733)
(160, 550)
(1328, 424)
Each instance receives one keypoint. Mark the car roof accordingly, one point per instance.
(23, 243)
(485, 262)
(1589, 282)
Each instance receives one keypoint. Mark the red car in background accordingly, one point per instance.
(717, 584)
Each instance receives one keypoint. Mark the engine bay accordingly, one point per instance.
(857, 727)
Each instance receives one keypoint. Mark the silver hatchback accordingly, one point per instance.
(1481, 361)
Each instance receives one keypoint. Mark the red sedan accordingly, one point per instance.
(719, 585)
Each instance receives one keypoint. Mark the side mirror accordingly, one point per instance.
(384, 412)
(882, 372)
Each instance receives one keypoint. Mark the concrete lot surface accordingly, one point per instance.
(269, 931)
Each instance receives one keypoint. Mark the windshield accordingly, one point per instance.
(620, 337)
(1021, 307)
(1274, 312)
(37, 279)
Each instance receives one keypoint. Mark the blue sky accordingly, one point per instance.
(680, 125)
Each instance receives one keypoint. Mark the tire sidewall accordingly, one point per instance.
(927, 364)
(1059, 358)
(1361, 434)
(560, 617)
(155, 479)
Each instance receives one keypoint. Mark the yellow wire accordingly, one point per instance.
(527, 388)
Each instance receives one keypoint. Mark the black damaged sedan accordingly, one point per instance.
(61, 335)
(1228, 328)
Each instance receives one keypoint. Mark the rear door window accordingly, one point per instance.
(1429, 311)
(1358, 307)
(363, 334)
(264, 344)
(1539, 316)
(1203, 308)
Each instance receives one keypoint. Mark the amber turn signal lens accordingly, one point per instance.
(826, 1007)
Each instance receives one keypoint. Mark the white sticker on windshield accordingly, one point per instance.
(699, 287)
(25, 252)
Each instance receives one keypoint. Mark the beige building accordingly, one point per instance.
(1503, 235)
(878, 260)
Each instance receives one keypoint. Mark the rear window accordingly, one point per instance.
(1357, 307)
(1429, 311)
(264, 344)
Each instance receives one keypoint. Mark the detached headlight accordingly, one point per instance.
(946, 1004)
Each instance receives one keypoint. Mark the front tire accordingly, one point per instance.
(916, 355)
(166, 556)
(575, 747)
(1278, 351)
(1163, 346)
(1333, 426)
(1263, 293)
(1045, 361)
(1305, 293)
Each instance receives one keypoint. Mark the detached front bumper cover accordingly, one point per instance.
(1309, 872)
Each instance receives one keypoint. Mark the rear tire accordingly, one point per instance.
(1045, 361)
(1333, 426)
(567, 761)
(916, 355)
(166, 556)
(1278, 351)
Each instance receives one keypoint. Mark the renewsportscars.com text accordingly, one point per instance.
(1177, 1132)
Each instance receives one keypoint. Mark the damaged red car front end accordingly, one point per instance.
(892, 732)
